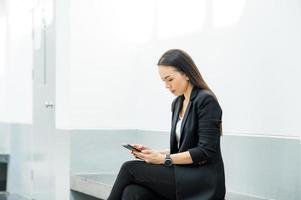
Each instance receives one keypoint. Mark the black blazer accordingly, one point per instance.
(200, 135)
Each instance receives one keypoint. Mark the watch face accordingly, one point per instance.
(168, 162)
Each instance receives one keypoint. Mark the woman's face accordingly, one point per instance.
(177, 82)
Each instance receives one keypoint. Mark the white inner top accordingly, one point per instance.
(178, 129)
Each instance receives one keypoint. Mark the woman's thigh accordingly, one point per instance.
(138, 192)
(158, 178)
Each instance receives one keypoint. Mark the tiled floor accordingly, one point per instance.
(4, 196)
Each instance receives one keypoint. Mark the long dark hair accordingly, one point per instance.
(183, 63)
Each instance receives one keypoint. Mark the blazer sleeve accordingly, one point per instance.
(209, 116)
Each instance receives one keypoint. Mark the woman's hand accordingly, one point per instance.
(140, 147)
(150, 156)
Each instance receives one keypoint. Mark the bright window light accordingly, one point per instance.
(2, 66)
(227, 13)
(18, 64)
(178, 18)
(128, 21)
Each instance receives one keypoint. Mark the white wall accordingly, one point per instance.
(15, 66)
(20, 161)
(5, 138)
(248, 52)
(3, 35)
(3, 39)
(15, 61)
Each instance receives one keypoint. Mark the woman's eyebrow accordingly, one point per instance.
(167, 76)
(164, 78)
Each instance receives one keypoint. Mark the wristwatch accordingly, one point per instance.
(167, 161)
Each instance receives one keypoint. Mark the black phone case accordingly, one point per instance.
(129, 147)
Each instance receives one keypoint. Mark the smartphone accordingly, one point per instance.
(130, 147)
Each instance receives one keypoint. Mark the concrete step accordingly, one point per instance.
(6, 196)
(98, 186)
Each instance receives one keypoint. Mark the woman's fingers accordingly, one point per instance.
(140, 146)
(149, 156)
(146, 151)
(140, 155)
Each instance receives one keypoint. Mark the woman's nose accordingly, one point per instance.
(167, 86)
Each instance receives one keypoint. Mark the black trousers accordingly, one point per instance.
(138, 180)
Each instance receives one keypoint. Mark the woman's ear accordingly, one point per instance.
(185, 75)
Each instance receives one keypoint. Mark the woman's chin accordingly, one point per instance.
(176, 94)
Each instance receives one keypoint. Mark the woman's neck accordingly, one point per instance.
(188, 91)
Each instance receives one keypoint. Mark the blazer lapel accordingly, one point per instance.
(176, 113)
(183, 123)
(185, 116)
(192, 96)
(174, 143)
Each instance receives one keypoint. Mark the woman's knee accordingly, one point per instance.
(129, 165)
(129, 192)
(136, 192)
